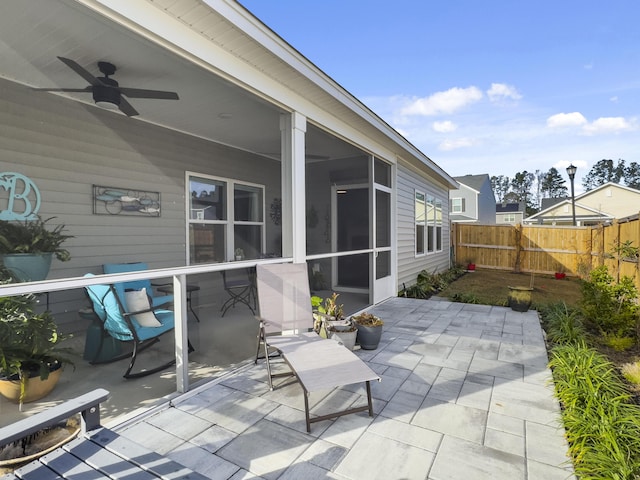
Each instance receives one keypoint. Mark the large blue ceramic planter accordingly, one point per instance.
(28, 267)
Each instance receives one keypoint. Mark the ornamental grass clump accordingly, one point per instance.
(601, 421)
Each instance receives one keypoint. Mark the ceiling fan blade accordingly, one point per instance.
(86, 89)
(81, 71)
(126, 108)
(142, 93)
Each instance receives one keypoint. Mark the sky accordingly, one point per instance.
(483, 86)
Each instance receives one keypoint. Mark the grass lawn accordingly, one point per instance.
(491, 287)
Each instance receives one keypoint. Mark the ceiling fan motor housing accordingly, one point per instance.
(107, 93)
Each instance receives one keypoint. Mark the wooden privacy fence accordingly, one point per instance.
(548, 249)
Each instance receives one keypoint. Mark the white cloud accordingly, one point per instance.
(446, 126)
(443, 102)
(607, 125)
(452, 144)
(614, 99)
(566, 120)
(502, 91)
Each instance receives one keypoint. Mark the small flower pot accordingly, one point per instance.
(560, 275)
(471, 267)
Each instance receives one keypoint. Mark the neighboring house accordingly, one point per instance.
(473, 201)
(600, 205)
(262, 153)
(510, 213)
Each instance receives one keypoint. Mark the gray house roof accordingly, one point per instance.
(473, 181)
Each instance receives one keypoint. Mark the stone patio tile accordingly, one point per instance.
(417, 388)
(459, 459)
(506, 424)
(238, 411)
(475, 395)
(547, 472)
(379, 457)
(266, 449)
(424, 373)
(451, 419)
(546, 444)
(403, 406)
(526, 401)
(527, 355)
(202, 399)
(431, 352)
(244, 475)
(346, 430)
(406, 360)
(410, 434)
(385, 389)
(505, 442)
(179, 423)
(306, 471)
(323, 454)
(152, 437)
(201, 461)
(213, 438)
(496, 368)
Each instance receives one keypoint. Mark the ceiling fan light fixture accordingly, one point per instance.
(106, 97)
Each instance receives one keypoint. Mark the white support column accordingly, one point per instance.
(181, 336)
(293, 129)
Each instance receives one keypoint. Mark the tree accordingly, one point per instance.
(521, 185)
(500, 185)
(603, 172)
(632, 175)
(552, 184)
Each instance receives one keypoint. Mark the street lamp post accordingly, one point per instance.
(571, 171)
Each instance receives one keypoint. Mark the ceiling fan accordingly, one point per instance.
(106, 91)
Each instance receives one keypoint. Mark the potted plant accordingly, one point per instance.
(519, 298)
(30, 356)
(27, 248)
(369, 330)
(329, 320)
(239, 254)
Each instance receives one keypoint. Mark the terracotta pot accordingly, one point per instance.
(36, 388)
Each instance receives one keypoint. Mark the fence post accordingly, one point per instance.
(518, 245)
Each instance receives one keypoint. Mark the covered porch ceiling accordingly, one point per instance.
(34, 33)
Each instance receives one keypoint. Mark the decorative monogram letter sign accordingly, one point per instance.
(19, 197)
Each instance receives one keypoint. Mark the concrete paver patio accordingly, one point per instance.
(465, 394)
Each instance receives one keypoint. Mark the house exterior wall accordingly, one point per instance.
(614, 200)
(409, 265)
(65, 149)
(501, 218)
(470, 201)
(486, 205)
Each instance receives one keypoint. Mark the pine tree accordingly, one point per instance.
(603, 172)
(553, 185)
(500, 185)
(632, 175)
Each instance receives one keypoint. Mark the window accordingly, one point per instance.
(226, 218)
(420, 222)
(438, 225)
(457, 205)
(431, 223)
(509, 218)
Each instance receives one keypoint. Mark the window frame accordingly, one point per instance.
(229, 222)
(419, 225)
